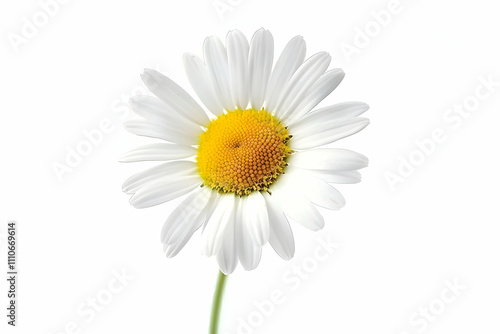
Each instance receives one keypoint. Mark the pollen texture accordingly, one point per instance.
(243, 151)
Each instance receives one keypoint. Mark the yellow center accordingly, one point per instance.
(243, 151)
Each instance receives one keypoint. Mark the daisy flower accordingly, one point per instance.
(253, 159)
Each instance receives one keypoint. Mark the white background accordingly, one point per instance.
(397, 246)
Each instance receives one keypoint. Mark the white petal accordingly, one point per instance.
(177, 135)
(172, 250)
(164, 190)
(189, 212)
(216, 58)
(249, 251)
(260, 62)
(319, 90)
(213, 234)
(158, 152)
(211, 206)
(174, 96)
(301, 210)
(138, 180)
(227, 256)
(300, 83)
(330, 176)
(335, 159)
(185, 220)
(281, 236)
(155, 111)
(316, 190)
(200, 80)
(237, 54)
(325, 134)
(255, 218)
(295, 205)
(327, 117)
(291, 58)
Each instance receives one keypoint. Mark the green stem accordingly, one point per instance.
(217, 303)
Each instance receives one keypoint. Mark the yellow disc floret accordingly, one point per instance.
(243, 151)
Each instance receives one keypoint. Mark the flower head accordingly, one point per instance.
(253, 159)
